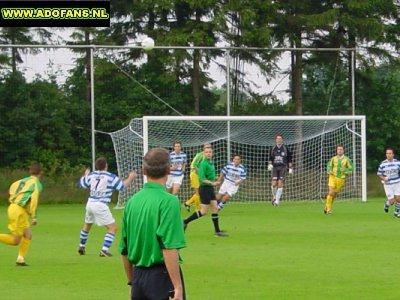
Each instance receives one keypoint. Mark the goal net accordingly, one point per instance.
(312, 139)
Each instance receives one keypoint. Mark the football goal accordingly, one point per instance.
(312, 139)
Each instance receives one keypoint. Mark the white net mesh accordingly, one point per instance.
(312, 142)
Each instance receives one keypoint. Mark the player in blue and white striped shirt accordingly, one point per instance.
(101, 184)
(389, 173)
(178, 160)
(233, 174)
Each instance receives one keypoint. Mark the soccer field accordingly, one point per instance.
(290, 252)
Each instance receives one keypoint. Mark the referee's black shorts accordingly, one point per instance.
(153, 283)
(207, 194)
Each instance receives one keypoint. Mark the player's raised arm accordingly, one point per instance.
(131, 177)
(84, 181)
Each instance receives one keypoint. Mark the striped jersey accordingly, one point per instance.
(25, 193)
(391, 170)
(234, 173)
(101, 185)
(177, 160)
(340, 167)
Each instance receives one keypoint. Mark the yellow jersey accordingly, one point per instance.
(340, 167)
(25, 193)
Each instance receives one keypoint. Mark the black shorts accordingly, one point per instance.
(153, 283)
(279, 172)
(206, 194)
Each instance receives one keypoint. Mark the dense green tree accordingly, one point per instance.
(22, 36)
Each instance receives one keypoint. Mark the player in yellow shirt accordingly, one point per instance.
(194, 179)
(24, 198)
(338, 168)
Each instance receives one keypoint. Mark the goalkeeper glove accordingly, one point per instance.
(290, 171)
(270, 167)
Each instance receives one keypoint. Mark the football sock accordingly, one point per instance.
(387, 205)
(221, 204)
(273, 189)
(192, 217)
(328, 204)
(397, 209)
(279, 192)
(195, 199)
(23, 249)
(215, 219)
(7, 239)
(83, 236)
(108, 240)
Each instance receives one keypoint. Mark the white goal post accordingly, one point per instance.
(312, 139)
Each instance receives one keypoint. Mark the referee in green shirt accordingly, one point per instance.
(152, 234)
(208, 180)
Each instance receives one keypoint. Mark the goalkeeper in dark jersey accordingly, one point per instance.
(280, 160)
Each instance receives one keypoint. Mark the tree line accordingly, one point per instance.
(43, 119)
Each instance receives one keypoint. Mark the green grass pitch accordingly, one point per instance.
(290, 252)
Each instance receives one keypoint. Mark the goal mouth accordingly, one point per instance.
(312, 139)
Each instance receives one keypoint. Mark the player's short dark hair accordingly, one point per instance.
(389, 148)
(340, 145)
(279, 134)
(156, 163)
(177, 142)
(101, 163)
(35, 169)
(236, 155)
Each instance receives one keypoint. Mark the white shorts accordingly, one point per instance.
(174, 180)
(229, 188)
(392, 189)
(98, 213)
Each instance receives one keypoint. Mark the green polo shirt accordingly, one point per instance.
(151, 222)
(206, 171)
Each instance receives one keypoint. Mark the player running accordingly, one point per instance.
(233, 175)
(24, 198)
(178, 162)
(338, 168)
(194, 179)
(389, 173)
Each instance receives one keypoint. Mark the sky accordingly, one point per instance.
(60, 61)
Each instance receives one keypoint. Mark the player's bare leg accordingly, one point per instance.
(388, 203)
(175, 189)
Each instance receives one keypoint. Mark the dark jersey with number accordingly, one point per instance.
(280, 156)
